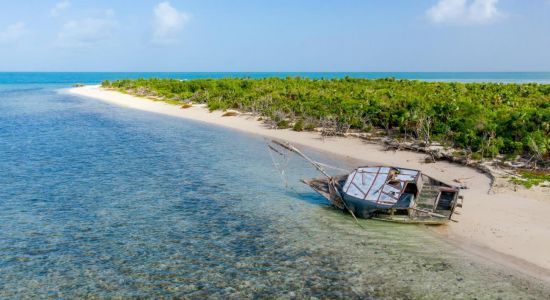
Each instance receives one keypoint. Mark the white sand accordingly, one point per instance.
(506, 226)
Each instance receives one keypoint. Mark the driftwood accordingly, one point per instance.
(230, 113)
(435, 155)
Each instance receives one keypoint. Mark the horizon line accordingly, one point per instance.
(259, 72)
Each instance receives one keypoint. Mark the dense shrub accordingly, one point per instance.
(298, 125)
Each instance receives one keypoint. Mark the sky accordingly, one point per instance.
(271, 36)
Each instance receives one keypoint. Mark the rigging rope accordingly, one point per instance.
(278, 167)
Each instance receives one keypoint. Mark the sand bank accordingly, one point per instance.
(507, 226)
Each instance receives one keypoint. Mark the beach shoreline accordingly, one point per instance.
(513, 224)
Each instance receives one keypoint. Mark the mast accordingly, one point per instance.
(289, 147)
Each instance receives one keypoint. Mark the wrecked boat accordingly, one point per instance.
(386, 193)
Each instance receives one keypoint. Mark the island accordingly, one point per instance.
(491, 138)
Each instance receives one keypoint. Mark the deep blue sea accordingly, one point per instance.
(102, 201)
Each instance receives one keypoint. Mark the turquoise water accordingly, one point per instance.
(89, 78)
(101, 201)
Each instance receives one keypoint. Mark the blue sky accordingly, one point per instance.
(283, 35)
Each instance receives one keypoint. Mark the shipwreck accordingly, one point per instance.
(386, 193)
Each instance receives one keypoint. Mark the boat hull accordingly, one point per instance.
(362, 208)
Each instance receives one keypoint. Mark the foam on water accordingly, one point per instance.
(102, 201)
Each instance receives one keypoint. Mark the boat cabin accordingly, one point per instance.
(388, 191)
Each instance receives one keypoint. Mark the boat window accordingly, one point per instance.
(411, 188)
(427, 197)
(445, 200)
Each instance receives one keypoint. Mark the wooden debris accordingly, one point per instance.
(230, 113)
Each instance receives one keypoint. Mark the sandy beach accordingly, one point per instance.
(511, 227)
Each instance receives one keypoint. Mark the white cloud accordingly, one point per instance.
(86, 32)
(13, 32)
(59, 8)
(464, 12)
(168, 23)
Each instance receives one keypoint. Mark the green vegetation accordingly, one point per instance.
(529, 178)
(283, 124)
(485, 119)
(299, 125)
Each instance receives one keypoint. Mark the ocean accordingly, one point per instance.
(97, 77)
(102, 201)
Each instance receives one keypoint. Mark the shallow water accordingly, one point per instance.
(97, 200)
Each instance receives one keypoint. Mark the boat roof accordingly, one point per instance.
(380, 184)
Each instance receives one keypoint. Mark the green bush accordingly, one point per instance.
(299, 125)
(310, 127)
(476, 156)
(283, 124)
